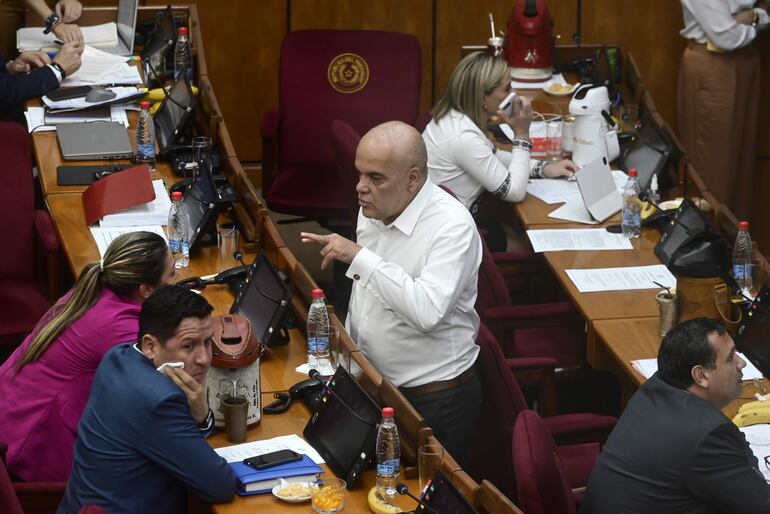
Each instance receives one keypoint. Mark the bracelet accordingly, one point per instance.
(538, 171)
(524, 144)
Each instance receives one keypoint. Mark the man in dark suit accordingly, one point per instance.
(141, 441)
(33, 74)
(673, 451)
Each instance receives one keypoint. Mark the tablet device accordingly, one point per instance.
(648, 151)
(202, 213)
(442, 496)
(753, 339)
(264, 300)
(344, 427)
(174, 114)
(598, 190)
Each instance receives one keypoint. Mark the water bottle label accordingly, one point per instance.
(185, 247)
(145, 150)
(389, 467)
(174, 245)
(739, 271)
(311, 344)
(322, 344)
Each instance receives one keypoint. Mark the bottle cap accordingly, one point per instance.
(387, 412)
(176, 196)
(182, 31)
(317, 293)
(145, 105)
(632, 172)
(743, 225)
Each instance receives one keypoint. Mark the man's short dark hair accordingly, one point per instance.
(165, 309)
(686, 346)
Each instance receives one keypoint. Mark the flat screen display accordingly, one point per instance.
(201, 209)
(344, 403)
(753, 338)
(174, 113)
(442, 496)
(263, 299)
(648, 152)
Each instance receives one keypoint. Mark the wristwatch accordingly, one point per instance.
(755, 20)
(50, 23)
(60, 69)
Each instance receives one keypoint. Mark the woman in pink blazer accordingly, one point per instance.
(44, 385)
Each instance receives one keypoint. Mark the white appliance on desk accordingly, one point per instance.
(593, 137)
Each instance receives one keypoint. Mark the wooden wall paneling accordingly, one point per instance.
(408, 16)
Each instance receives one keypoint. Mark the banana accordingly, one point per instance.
(755, 405)
(752, 417)
(157, 94)
(378, 504)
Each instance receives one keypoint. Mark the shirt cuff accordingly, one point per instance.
(56, 73)
(208, 423)
(763, 17)
(363, 265)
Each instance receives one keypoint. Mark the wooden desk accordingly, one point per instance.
(615, 343)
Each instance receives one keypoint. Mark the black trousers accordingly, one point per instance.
(452, 414)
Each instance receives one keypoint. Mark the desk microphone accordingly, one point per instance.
(238, 256)
(403, 490)
(314, 374)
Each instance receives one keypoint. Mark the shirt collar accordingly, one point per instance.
(409, 216)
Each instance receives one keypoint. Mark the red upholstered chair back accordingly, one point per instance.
(362, 77)
(540, 483)
(501, 402)
(344, 143)
(492, 288)
(17, 203)
(9, 504)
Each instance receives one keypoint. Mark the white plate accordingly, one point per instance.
(670, 204)
(290, 499)
(566, 93)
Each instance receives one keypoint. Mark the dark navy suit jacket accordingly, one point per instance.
(17, 89)
(673, 452)
(138, 448)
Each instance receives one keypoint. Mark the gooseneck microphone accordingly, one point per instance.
(238, 256)
(403, 490)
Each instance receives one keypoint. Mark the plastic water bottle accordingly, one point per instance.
(183, 56)
(631, 222)
(317, 331)
(145, 137)
(654, 195)
(177, 231)
(388, 454)
(743, 254)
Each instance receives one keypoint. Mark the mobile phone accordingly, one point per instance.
(507, 104)
(272, 459)
(162, 367)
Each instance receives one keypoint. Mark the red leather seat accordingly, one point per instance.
(361, 77)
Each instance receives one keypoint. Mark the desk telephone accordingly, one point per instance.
(309, 390)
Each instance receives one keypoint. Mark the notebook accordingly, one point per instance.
(257, 481)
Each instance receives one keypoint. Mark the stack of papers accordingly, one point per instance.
(104, 236)
(648, 367)
(293, 442)
(151, 213)
(95, 64)
(122, 95)
(123, 75)
(758, 437)
(554, 240)
(621, 279)
(36, 118)
(32, 38)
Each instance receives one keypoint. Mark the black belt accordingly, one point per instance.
(441, 385)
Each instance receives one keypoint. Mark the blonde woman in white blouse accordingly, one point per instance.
(461, 157)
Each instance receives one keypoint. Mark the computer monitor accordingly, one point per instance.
(648, 151)
(126, 25)
(753, 339)
(263, 299)
(174, 114)
(202, 212)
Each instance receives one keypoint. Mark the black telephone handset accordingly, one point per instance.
(309, 390)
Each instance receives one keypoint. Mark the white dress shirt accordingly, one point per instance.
(463, 159)
(414, 289)
(712, 20)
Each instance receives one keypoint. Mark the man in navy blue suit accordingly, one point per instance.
(33, 74)
(141, 441)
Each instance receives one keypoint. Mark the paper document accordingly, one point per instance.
(621, 279)
(151, 213)
(36, 118)
(324, 368)
(648, 367)
(557, 78)
(554, 240)
(32, 38)
(294, 442)
(574, 210)
(104, 236)
(123, 75)
(73, 104)
(95, 64)
(554, 190)
(758, 437)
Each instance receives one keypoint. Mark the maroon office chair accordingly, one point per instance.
(27, 232)
(28, 497)
(362, 77)
(543, 469)
(345, 141)
(502, 401)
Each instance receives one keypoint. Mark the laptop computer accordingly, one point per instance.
(597, 187)
(126, 23)
(96, 140)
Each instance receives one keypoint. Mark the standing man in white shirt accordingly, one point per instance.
(415, 276)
